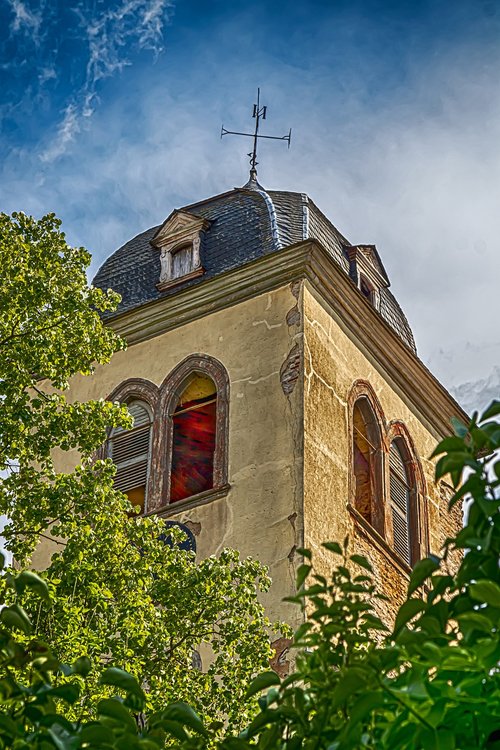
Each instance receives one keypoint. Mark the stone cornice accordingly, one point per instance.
(308, 260)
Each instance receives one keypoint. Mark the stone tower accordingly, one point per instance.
(278, 398)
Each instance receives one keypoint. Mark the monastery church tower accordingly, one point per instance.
(278, 398)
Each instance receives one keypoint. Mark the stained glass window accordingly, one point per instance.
(367, 468)
(194, 435)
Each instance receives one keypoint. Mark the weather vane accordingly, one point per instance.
(259, 113)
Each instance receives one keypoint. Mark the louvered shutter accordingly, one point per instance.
(130, 450)
(400, 503)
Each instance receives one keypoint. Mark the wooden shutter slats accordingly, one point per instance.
(140, 415)
(401, 538)
(399, 494)
(400, 503)
(130, 445)
(132, 476)
(129, 450)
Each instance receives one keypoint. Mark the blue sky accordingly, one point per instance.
(110, 115)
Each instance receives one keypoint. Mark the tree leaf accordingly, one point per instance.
(333, 547)
(82, 666)
(183, 714)
(27, 578)
(121, 679)
(407, 612)
(302, 573)
(114, 709)
(421, 571)
(362, 561)
(261, 682)
(15, 617)
(486, 591)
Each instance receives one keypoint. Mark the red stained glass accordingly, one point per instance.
(193, 448)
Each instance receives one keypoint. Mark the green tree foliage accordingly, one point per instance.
(37, 692)
(119, 595)
(430, 683)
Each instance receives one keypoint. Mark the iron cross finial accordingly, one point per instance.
(259, 113)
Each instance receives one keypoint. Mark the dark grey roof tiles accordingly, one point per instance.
(245, 224)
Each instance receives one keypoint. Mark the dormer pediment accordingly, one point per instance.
(179, 226)
(179, 242)
(365, 261)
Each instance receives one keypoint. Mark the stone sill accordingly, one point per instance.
(379, 542)
(168, 283)
(202, 498)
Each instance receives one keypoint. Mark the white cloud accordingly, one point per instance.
(417, 173)
(66, 132)
(25, 19)
(109, 35)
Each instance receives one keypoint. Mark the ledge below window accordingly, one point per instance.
(378, 542)
(202, 498)
(162, 285)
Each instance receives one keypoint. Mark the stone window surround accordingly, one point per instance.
(180, 230)
(162, 401)
(389, 431)
(166, 259)
(364, 269)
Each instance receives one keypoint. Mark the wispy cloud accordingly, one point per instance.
(26, 20)
(110, 36)
(66, 132)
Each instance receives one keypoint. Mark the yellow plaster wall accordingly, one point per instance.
(332, 362)
(252, 340)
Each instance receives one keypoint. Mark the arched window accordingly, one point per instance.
(402, 500)
(178, 446)
(130, 451)
(367, 464)
(195, 418)
(193, 439)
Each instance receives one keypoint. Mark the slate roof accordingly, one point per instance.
(246, 223)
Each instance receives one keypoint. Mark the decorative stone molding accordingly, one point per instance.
(181, 233)
(306, 261)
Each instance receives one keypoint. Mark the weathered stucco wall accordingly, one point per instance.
(256, 342)
(332, 363)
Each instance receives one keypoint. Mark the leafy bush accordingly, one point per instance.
(432, 682)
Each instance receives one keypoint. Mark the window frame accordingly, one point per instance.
(365, 403)
(417, 506)
(117, 432)
(418, 512)
(173, 387)
(161, 401)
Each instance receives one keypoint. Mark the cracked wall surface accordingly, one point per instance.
(332, 363)
(261, 513)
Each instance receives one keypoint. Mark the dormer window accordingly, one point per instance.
(366, 289)
(367, 271)
(179, 242)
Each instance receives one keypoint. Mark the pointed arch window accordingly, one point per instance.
(177, 448)
(193, 438)
(402, 501)
(195, 409)
(130, 450)
(367, 467)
